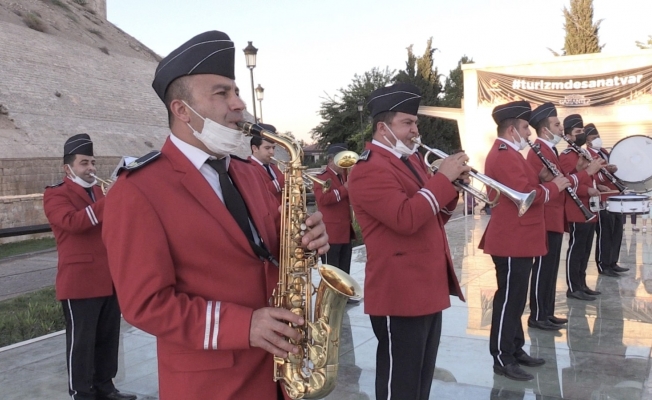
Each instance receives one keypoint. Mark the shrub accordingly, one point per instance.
(29, 316)
(34, 22)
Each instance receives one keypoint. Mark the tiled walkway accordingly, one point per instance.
(603, 354)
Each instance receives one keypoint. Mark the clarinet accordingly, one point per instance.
(604, 171)
(588, 215)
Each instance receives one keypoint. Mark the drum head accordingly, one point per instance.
(633, 157)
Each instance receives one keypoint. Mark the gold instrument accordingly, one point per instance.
(523, 201)
(309, 181)
(346, 159)
(312, 373)
(104, 183)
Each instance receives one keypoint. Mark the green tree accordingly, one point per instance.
(645, 45)
(454, 85)
(422, 72)
(341, 119)
(581, 31)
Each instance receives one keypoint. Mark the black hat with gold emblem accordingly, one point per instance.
(78, 144)
(513, 110)
(590, 129)
(400, 97)
(210, 52)
(336, 148)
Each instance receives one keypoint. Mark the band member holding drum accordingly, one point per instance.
(543, 281)
(609, 231)
(409, 272)
(514, 241)
(580, 230)
(182, 256)
(261, 156)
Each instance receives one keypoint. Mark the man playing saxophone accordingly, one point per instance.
(409, 273)
(193, 234)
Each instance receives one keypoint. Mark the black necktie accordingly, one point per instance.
(269, 171)
(90, 193)
(232, 198)
(340, 178)
(411, 167)
(555, 150)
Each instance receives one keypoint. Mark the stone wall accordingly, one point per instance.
(16, 211)
(30, 176)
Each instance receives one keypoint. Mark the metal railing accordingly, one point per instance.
(24, 230)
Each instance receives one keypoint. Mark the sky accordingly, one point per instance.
(308, 50)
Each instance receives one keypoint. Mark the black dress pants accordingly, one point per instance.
(506, 337)
(578, 254)
(619, 223)
(339, 255)
(543, 283)
(92, 339)
(406, 355)
(605, 235)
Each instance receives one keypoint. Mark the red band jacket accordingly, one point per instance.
(409, 271)
(275, 186)
(507, 234)
(599, 177)
(185, 273)
(335, 206)
(554, 210)
(76, 221)
(568, 161)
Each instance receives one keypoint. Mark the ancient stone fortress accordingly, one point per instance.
(64, 69)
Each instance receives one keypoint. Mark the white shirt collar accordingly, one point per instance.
(257, 160)
(546, 142)
(510, 143)
(384, 146)
(196, 155)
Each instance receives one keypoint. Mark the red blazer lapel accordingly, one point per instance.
(398, 163)
(201, 190)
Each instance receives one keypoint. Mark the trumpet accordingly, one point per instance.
(346, 159)
(523, 201)
(103, 183)
(310, 180)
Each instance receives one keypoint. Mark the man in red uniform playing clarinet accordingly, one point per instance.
(409, 274)
(193, 237)
(514, 241)
(543, 282)
(75, 210)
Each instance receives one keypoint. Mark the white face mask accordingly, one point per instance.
(596, 143)
(218, 138)
(400, 147)
(522, 144)
(555, 138)
(79, 180)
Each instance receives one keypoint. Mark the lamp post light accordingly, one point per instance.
(259, 95)
(360, 109)
(250, 55)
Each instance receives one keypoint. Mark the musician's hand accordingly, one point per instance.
(316, 237)
(454, 166)
(593, 192)
(603, 188)
(545, 175)
(611, 168)
(582, 164)
(562, 182)
(269, 331)
(107, 188)
(594, 166)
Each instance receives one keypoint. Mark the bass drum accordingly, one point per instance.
(633, 157)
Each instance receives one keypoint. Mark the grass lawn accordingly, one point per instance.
(26, 246)
(29, 316)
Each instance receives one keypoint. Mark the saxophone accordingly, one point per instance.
(312, 373)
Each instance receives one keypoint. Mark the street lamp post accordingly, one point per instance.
(259, 95)
(250, 55)
(360, 109)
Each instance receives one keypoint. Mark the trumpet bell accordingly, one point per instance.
(346, 159)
